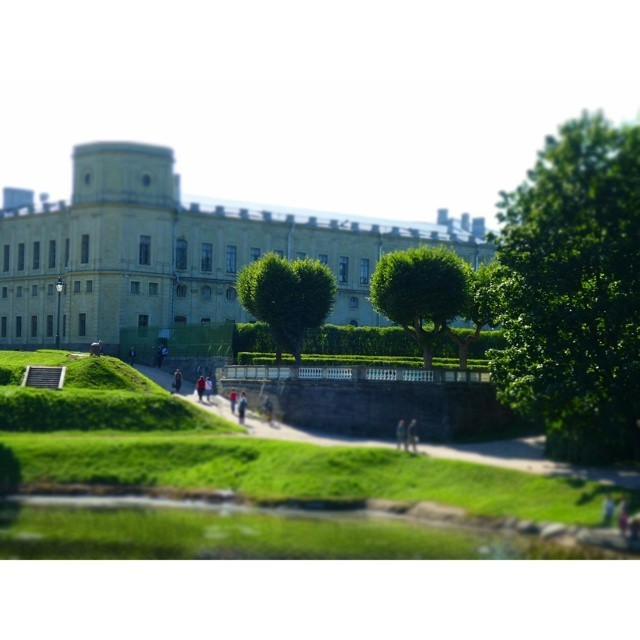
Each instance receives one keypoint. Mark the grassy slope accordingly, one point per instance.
(274, 470)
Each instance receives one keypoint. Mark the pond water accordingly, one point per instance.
(134, 528)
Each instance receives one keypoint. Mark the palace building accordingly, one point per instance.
(126, 252)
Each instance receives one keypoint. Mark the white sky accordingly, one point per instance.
(387, 109)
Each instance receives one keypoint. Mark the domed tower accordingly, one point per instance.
(124, 173)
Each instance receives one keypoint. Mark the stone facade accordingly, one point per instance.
(131, 255)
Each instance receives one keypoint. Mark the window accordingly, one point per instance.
(89, 286)
(3, 327)
(52, 254)
(353, 323)
(206, 292)
(135, 286)
(323, 258)
(67, 244)
(34, 326)
(49, 326)
(6, 252)
(5, 292)
(18, 326)
(146, 180)
(19, 291)
(206, 261)
(50, 289)
(343, 270)
(34, 290)
(143, 321)
(232, 255)
(181, 254)
(144, 250)
(279, 253)
(180, 319)
(36, 255)
(254, 254)
(76, 286)
(84, 249)
(205, 320)
(364, 270)
(181, 291)
(21, 256)
(82, 324)
(353, 302)
(301, 255)
(153, 288)
(231, 294)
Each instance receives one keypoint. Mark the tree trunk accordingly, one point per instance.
(427, 355)
(278, 356)
(463, 354)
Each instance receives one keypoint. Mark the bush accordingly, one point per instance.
(369, 341)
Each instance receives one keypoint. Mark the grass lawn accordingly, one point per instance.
(275, 470)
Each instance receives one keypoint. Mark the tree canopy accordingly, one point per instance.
(290, 297)
(421, 290)
(570, 299)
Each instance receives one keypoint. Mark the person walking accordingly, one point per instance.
(268, 410)
(412, 436)
(608, 509)
(177, 380)
(200, 385)
(132, 356)
(401, 435)
(242, 407)
(233, 398)
(208, 388)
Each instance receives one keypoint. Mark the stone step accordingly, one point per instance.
(44, 377)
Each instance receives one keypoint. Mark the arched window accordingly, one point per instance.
(206, 292)
(181, 291)
(180, 319)
(353, 323)
(353, 302)
(231, 294)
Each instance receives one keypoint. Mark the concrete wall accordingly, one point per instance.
(372, 409)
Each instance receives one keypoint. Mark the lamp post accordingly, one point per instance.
(59, 287)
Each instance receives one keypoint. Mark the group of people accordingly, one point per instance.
(204, 385)
(624, 524)
(407, 437)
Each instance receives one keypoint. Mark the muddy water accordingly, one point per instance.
(139, 528)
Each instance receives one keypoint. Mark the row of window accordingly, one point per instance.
(36, 254)
(231, 258)
(33, 333)
(35, 289)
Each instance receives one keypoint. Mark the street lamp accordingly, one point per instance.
(59, 287)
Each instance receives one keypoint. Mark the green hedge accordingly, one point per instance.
(372, 341)
(317, 360)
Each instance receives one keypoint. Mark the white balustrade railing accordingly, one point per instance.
(374, 374)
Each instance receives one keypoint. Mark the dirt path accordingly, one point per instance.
(522, 454)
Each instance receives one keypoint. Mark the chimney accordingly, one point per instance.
(443, 216)
(464, 222)
(477, 228)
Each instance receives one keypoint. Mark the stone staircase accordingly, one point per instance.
(44, 377)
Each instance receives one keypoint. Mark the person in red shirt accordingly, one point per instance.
(200, 387)
(233, 397)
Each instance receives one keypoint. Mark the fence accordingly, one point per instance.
(349, 374)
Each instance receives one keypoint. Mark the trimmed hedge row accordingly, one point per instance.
(371, 341)
(317, 360)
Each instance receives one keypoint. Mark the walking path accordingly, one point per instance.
(522, 454)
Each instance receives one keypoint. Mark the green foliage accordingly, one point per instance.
(311, 360)
(107, 373)
(570, 298)
(418, 288)
(370, 341)
(291, 297)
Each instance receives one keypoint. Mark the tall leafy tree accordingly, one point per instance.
(571, 299)
(291, 297)
(480, 309)
(421, 290)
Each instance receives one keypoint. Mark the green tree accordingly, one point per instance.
(480, 308)
(291, 297)
(421, 290)
(571, 299)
